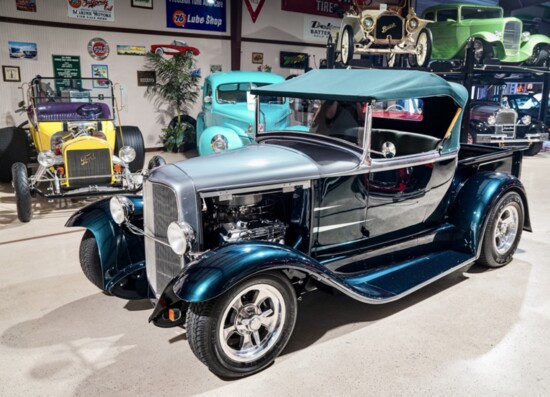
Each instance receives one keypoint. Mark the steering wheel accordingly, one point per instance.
(90, 110)
(395, 106)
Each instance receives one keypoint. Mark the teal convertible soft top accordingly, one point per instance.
(365, 85)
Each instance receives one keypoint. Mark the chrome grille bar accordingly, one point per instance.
(512, 37)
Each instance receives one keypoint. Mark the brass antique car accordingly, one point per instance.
(390, 28)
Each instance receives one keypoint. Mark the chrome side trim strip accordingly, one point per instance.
(332, 227)
(325, 208)
(227, 194)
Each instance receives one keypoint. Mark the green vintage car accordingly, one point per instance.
(494, 36)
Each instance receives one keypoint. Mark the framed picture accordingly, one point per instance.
(146, 78)
(258, 57)
(100, 73)
(143, 4)
(11, 73)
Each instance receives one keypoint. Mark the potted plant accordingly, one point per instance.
(176, 85)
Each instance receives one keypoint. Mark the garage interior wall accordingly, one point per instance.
(271, 25)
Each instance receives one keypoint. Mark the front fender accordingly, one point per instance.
(234, 140)
(219, 270)
(122, 254)
(474, 202)
(528, 46)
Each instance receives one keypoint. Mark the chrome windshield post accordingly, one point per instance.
(366, 160)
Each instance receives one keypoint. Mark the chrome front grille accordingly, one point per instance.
(506, 122)
(88, 167)
(160, 209)
(512, 37)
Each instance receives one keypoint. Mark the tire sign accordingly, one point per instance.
(98, 48)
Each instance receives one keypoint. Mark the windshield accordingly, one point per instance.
(480, 13)
(72, 98)
(523, 102)
(240, 93)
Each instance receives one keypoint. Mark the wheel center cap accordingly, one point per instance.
(254, 324)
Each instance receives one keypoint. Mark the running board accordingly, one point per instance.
(387, 284)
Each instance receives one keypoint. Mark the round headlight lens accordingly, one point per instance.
(525, 36)
(127, 154)
(526, 119)
(413, 24)
(492, 120)
(180, 234)
(46, 158)
(121, 208)
(368, 23)
(218, 143)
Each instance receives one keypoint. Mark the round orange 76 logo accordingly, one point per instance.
(179, 18)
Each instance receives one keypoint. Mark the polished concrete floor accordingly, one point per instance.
(480, 333)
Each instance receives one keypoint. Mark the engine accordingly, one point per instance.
(244, 218)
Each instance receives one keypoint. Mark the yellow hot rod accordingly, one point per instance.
(71, 144)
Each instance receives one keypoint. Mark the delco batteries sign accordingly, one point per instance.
(196, 15)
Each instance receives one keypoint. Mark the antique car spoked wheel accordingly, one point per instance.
(503, 232)
(423, 49)
(346, 45)
(243, 331)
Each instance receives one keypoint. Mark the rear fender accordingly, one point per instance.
(473, 203)
(122, 254)
(232, 136)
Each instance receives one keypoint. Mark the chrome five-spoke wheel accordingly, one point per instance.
(506, 229)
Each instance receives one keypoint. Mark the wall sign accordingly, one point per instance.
(257, 57)
(146, 78)
(254, 7)
(98, 48)
(66, 66)
(22, 50)
(11, 73)
(316, 7)
(26, 5)
(187, 14)
(295, 60)
(318, 28)
(123, 49)
(143, 4)
(100, 73)
(98, 10)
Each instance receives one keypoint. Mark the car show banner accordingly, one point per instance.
(318, 28)
(326, 8)
(196, 15)
(98, 10)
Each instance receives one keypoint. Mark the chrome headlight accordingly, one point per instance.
(492, 120)
(180, 234)
(525, 36)
(413, 24)
(127, 154)
(46, 158)
(121, 208)
(526, 119)
(498, 33)
(368, 23)
(218, 143)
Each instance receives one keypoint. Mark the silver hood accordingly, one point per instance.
(248, 166)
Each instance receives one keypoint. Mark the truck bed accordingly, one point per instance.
(473, 158)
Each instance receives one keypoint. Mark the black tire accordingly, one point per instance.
(499, 245)
(131, 136)
(90, 261)
(156, 161)
(539, 56)
(534, 149)
(483, 51)
(13, 149)
(424, 43)
(23, 198)
(346, 39)
(206, 320)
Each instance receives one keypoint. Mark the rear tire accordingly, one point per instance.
(534, 149)
(13, 149)
(131, 136)
(22, 192)
(503, 231)
(90, 261)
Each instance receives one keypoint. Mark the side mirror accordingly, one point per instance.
(207, 100)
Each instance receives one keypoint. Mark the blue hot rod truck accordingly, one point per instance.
(372, 196)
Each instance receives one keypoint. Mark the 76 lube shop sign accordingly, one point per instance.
(196, 15)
